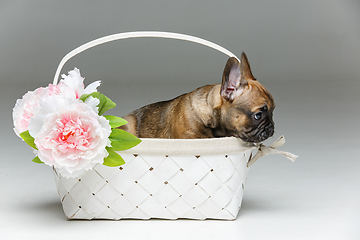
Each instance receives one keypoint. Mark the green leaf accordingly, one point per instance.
(105, 104)
(122, 140)
(85, 96)
(115, 121)
(37, 160)
(28, 139)
(114, 159)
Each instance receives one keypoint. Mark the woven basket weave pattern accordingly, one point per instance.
(158, 186)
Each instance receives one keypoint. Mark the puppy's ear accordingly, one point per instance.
(232, 81)
(245, 68)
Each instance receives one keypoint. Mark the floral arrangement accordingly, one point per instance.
(65, 126)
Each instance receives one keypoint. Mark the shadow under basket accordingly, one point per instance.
(165, 179)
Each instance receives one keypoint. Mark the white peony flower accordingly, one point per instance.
(75, 82)
(70, 135)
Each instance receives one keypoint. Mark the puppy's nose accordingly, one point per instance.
(270, 129)
(264, 135)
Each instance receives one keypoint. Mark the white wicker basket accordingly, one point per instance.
(163, 178)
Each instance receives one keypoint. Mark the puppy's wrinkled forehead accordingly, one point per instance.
(259, 96)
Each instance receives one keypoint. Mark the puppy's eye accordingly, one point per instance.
(258, 115)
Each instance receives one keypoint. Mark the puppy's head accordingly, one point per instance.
(248, 106)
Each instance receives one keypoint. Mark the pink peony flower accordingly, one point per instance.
(26, 108)
(71, 86)
(70, 135)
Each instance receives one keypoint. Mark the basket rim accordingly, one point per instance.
(204, 146)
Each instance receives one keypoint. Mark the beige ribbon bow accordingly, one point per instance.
(266, 150)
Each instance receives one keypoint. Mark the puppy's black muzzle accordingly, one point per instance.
(261, 132)
(266, 133)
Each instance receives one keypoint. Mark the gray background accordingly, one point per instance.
(307, 53)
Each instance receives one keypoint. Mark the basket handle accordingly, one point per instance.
(140, 34)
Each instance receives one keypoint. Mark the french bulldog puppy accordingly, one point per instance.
(240, 107)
